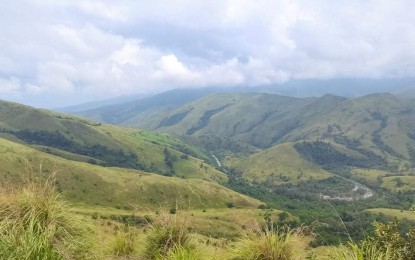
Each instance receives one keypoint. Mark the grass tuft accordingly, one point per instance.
(271, 244)
(123, 244)
(169, 238)
(35, 223)
(363, 251)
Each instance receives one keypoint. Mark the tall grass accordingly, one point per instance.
(271, 244)
(123, 244)
(169, 239)
(36, 223)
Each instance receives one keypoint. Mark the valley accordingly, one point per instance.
(223, 160)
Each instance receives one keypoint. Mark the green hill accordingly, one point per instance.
(379, 126)
(279, 164)
(116, 187)
(83, 140)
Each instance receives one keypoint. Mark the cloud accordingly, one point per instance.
(73, 51)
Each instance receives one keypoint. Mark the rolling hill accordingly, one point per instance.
(78, 139)
(95, 185)
(277, 139)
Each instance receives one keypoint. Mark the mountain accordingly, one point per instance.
(276, 139)
(257, 119)
(381, 123)
(131, 110)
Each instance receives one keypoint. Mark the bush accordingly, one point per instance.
(230, 204)
(36, 223)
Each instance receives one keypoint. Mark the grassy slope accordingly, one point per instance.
(148, 147)
(381, 124)
(96, 185)
(214, 222)
(387, 180)
(14, 116)
(361, 119)
(245, 117)
(280, 160)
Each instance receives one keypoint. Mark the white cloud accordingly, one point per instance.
(96, 49)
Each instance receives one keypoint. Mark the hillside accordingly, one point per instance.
(278, 165)
(244, 117)
(378, 125)
(83, 140)
(115, 187)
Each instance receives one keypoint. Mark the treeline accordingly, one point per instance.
(324, 154)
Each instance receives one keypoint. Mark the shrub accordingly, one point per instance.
(230, 204)
(36, 223)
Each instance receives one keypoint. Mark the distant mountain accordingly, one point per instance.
(130, 110)
(377, 128)
(260, 120)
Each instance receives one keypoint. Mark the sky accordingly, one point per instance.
(58, 53)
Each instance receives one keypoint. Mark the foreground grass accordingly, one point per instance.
(36, 223)
(276, 244)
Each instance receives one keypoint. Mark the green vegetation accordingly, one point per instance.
(169, 237)
(78, 139)
(116, 187)
(279, 164)
(123, 244)
(36, 223)
(333, 164)
(272, 244)
(387, 243)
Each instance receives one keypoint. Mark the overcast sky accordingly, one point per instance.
(56, 52)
